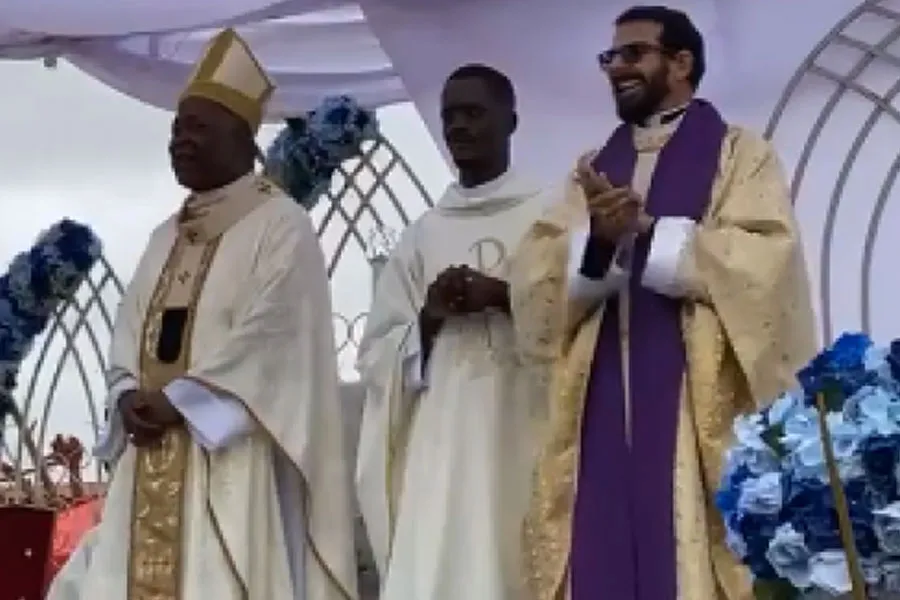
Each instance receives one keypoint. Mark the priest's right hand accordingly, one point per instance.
(615, 214)
(613, 211)
(141, 432)
(446, 295)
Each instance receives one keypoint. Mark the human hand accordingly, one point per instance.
(592, 183)
(141, 431)
(614, 211)
(158, 409)
(482, 292)
(446, 295)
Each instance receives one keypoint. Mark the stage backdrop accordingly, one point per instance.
(837, 131)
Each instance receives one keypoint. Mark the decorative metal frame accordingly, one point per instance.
(91, 315)
(881, 106)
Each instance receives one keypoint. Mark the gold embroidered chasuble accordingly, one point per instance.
(747, 326)
(268, 514)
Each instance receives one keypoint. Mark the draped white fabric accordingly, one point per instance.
(389, 51)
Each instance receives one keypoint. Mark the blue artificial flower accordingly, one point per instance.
(887, 528)
(762, 495)
(829, 572)
(839, 368)
(784, 407)
(890, 575)
(340, 125)
(756, 531)
(876, 409)
(789, 556)
(809, 508)
(877, 362)
(879, 458)
(799, 427)
(306, 153)
(862, 518)
(775, 495)
(807, 456)
(750, 448)
(893, 359)
(35, 285)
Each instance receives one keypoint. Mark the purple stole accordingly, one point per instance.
(623, 536)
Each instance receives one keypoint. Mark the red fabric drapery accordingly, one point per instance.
(70, 526)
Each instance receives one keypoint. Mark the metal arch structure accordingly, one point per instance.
(379, 161)
(79, 334)
(880, 106)
(363, 190)
(364, 198)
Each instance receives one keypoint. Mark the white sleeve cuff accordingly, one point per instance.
(671, 236)
(111, 440)
(415, 378)
(214, 421)
(582, 288)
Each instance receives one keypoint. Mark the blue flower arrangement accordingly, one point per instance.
(808, 514)
(37, 283)
(305, 154)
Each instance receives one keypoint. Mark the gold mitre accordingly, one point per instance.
(230, 75)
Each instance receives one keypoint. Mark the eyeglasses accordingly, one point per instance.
(630, 54)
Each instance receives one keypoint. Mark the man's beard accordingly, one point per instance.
(637, 109)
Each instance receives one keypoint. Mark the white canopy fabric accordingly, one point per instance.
(837, 136)
(388, 51)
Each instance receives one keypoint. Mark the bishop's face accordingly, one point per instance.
(638, 70)
(205, 143)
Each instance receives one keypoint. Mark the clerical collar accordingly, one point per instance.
(505, 190)
(488, 188)
(665, 117)
(198, 201)
(207, 215)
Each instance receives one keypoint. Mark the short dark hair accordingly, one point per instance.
(678, 34)
(498, 83)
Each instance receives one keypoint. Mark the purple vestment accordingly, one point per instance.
(623, 538)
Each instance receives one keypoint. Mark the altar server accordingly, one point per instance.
(449, 428)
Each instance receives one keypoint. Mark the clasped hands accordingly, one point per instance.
(615, 211)
(146, 416)
(460, 290)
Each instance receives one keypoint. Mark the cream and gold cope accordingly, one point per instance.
(747, 326)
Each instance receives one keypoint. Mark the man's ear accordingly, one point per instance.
(513, 122)
(684, 64)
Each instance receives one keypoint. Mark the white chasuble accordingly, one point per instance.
(446, 448)
(250, 500)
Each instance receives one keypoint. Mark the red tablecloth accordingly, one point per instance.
(24, 551)
(71, 524)
(36, 543)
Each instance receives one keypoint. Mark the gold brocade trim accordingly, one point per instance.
(155, 562)
(548, 524)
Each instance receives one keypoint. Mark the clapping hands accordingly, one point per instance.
(614, 211)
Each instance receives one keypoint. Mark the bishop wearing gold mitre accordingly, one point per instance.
(229, 476)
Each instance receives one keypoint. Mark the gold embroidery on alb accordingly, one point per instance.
(155, 561)
(490, 256)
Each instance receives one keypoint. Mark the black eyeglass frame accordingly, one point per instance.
(632, 53)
